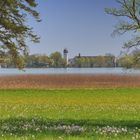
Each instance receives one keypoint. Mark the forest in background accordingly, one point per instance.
(56, 60)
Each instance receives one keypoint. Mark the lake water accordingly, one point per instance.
(38, 71)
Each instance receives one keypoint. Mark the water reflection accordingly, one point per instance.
(37, 71)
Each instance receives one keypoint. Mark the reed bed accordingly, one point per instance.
(68, 81)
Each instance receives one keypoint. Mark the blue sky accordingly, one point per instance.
(81, 26)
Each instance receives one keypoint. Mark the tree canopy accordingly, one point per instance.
(57, 60)
(129, 11)
(14, 29)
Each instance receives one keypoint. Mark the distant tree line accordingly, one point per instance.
(56, 60)
(131, 60)
(35, 61)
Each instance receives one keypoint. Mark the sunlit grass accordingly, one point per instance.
(70, 114)
(119, 104)
(62, 137)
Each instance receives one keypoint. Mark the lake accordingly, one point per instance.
(38, 71)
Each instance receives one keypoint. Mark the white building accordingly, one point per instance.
(65, 55)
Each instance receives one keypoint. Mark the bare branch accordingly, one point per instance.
(127, 9)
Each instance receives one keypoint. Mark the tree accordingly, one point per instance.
(136, 58)
(57, 60)
(14, 29)
(126, 61)
(129, 10)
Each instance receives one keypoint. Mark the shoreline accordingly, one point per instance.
(64, 81)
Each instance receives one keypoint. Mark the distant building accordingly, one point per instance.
(65, 55)
(93, 61)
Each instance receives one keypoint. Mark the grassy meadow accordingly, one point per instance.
(71, 114)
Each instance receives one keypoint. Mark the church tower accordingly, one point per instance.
(65, 55)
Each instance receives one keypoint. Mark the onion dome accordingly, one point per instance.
(65, 51)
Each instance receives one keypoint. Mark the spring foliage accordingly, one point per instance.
(14, 29)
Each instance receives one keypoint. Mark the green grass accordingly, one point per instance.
(62, 137)
(76, 114)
